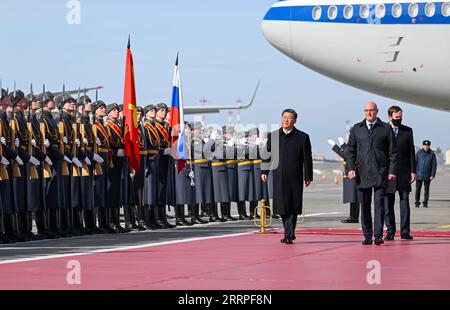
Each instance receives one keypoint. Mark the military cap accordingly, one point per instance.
(140, 109)
(161, 106)
(228, 129)
(253, 131)
(4, 94)
(149, 108)
(196, 125)
(48, 96)
(111, 107)
(16, 96)
(427, 142)
(83, 99)
(97, 105)
(30, 100)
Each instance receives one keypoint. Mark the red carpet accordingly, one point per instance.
(318, 260)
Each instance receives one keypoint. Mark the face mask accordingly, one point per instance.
(397, 122)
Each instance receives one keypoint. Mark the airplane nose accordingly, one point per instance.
(277, 30)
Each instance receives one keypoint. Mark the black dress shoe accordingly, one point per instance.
(243, 218)
(186, 223)
(407, 237)
(180, 223)
(350, 220)
(231, 219)
(389, 237)
(276, 217)
(425, 205)
(283, 240)
(379, 241)
(289, 241)
(367, 241)
(167, 225)
(417, 205)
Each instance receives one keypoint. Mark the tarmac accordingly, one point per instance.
(230, 256)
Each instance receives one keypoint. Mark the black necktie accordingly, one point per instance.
(370, 128)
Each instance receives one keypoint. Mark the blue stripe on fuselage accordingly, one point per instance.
(304, 14)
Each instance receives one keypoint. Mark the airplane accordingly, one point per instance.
(396, 49)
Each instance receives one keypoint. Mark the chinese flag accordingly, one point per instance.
(130, 114)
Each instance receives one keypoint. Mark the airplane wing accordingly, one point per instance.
(218, 109)
(75, 91)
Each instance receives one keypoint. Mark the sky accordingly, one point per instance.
(222, 56)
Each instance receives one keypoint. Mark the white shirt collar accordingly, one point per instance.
(368, 123)
(287, 132)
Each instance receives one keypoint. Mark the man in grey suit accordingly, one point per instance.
(372, 160)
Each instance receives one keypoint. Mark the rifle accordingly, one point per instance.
(47, 171)
(3, 171)
(98, 168)
(33, 170)
(64, 166)
(75, 170)
(84, 168)
(15, 165)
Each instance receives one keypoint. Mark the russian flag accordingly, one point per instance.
(177, 120)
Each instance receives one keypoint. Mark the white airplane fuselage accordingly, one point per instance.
(400, 50)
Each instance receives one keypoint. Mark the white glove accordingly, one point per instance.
(87, 161)
(258, 141)
(98, 142)
(67, 159)
(214, 135)
(191, 174)
(46, 143)
(331, 142)
(78, 142)
(231, 142)
(206, 140)
(242, 141)
(34, 161)
(120, 153)
(3, 140)
(167, 151)
(132, 173)
(76, 162)
(4, 162)
(341, 141)
(19, 161)
(97, 158)
(65, 140)
(33, 143)
(17, 142)
(85, 141)
(48, 161)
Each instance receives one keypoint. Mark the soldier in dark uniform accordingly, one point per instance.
(70, 211)
(102, 147)
(150, 198)
(37, 187)
(163, 164)
(21, 184)
(114, 192)
(232, 169)
(86, 181)
(245, 173)
(54, 197)
(6, 185)
(254, 156)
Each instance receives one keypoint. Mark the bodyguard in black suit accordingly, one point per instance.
(372, 159)
(403, 137)
(292, 165)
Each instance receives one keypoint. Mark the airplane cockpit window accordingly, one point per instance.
(317, 13)
(430, 9)
(446, 9)
(348, 11)
(397, 10)
(332, 12)
(364, 11)
(380, 11)
(413, 10)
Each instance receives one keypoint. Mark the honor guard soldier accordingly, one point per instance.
(115, 171)
(102, 148)
(150, 199)
(86, 182)
(126, 178)
(254, 156)
(37, 186)
(351, 194)
(232, 169)
(245, 173)
(70, 212)
(163, 164)
(184, 185)
(20, 184)
(8, 154)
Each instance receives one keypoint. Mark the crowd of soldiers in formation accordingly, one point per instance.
(68, 171)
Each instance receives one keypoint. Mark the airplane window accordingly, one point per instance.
(348, 11)
(430, 9)
(317, 13)
(397, 10)
(446, 9)
(380, 11)
(332, 12)
(364, 11)
(413, 10)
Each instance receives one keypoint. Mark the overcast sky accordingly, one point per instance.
(222, 56)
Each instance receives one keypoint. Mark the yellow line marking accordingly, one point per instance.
(445, 226)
